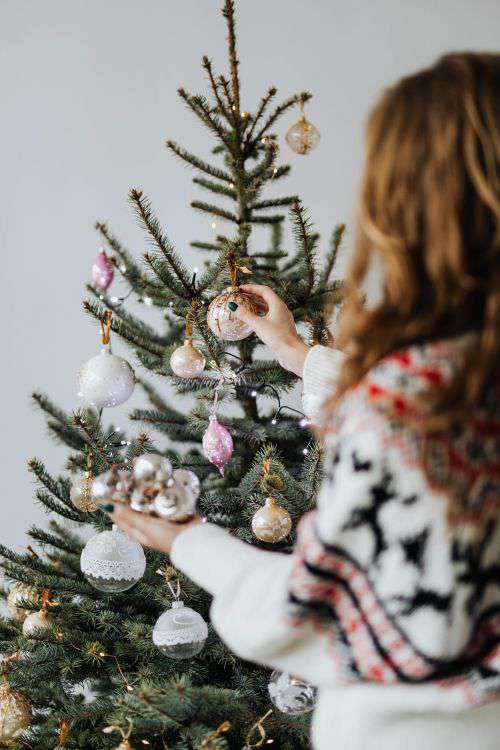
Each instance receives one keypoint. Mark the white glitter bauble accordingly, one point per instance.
(113, 562)
(180, 632)
(81, 493)
(175, 503)
(112, 485)
(151, 467)
(106, 380)
(188, 479)
(223, 322)
(15, 714)
(291, 695)
(272, 523)
(37, 621)
(18, 593)
(187, 361)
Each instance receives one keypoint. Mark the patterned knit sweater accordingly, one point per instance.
(391, 600)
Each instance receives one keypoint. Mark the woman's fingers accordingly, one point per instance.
(137, 525)
(267, 294)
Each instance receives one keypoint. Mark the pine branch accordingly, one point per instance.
(331, 258)
(214, 187)
(199, 105)
(305, 242)
(207, 64)
(152, 225)
(53, 506)
(262, 107)
(275, 202)
(194, 161)
(215, 211)
(274, 219)
(228, 13)
(122, 330)
(280, 110)
(205, 246)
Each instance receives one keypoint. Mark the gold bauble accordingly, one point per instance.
(20, 592)
(37, 621)
(187, 361)
(303, 136)
(272, 523)
(81, 493)
(223, 322)
(15, 714)
(125, 745)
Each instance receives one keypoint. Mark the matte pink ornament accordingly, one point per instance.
(217, 444)
(102, 271)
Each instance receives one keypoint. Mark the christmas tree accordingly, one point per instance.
(80, 668)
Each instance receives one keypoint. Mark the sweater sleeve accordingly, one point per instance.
(321, 369)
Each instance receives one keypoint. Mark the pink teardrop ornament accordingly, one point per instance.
(102, 271)
(217, 444)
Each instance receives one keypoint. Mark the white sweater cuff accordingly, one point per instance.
(321, 370)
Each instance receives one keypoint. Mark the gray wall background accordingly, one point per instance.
(88, 99)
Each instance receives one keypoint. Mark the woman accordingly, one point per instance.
(390, 603)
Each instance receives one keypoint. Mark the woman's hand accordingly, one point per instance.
(276, 329)
(149, 531)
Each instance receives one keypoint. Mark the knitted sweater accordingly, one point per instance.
(390, 603)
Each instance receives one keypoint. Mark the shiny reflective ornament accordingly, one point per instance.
(102, 271)
(81, 493)
(112, 485)
(217, 444)
(151, 467)
(15, 714)
(21, 592)
(272, 523)
(291, 695)
(188, 479)
(222, 321)
(106, 380)
(303, 136)
(187, 361)
(112, 562)
(180, 632)
(124, 745)
(176, 503)
(38, 621)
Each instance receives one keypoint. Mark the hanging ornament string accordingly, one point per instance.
(208, 742)
(234, 269)
(63, 732)
(106, 327)
(257, 730)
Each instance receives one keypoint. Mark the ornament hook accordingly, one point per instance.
(106, 327)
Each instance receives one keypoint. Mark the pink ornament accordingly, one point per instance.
(217, 444)
(102, 271)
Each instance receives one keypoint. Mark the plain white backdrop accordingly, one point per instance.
(88, 95)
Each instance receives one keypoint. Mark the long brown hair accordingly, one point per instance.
(429, 208)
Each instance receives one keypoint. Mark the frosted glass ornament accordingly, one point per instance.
(102, 271)
(180, 632)
(112, 562)
(217, 444)
(113, 485)
(303, 136)
(176, 503)
(15, 714)
(223, 322)
(187, 361)
(271, 523)
(37, 621)
(81, 493)
(106, 380)
(188, 479)
(18, 593)
(151, 467)
(291, 695)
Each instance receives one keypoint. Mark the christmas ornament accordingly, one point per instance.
(114, 485)
(217, 444)
(112, 562)
(222, 321)
(180, 632)
(41, 620)
(106, 380)
(176, 503)
(187, 361)
(303, 136)
(188, 479)
(291, 695)
(271, 523)
(151, 467)
(15, 713)
(102, 271)
(18, 593)
(81, 489)
(125, 743)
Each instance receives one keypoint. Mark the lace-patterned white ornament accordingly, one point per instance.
(113, 562)
(180, 632)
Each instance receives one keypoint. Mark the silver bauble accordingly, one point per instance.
(291, 695)
(187, 479)
(21, 592)
(113, 485)
(112, 562)
(187, 361)
(180, 632)
(223, 323)
(106, 380)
